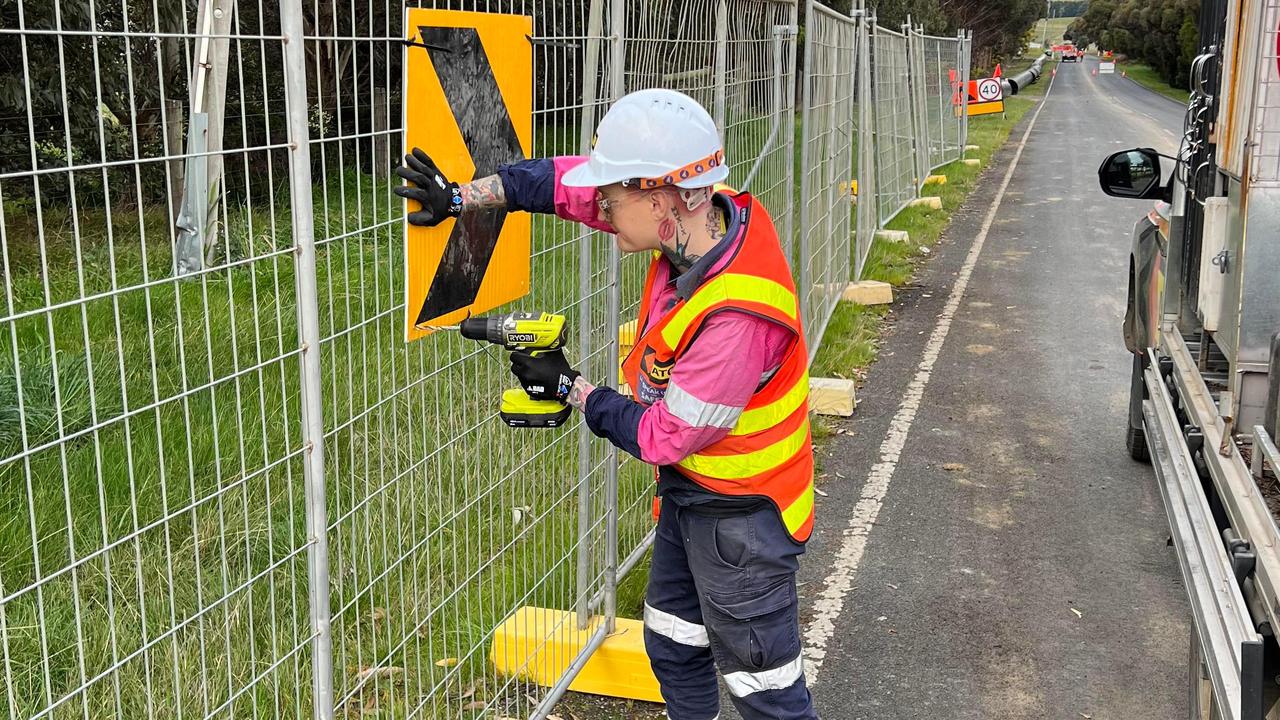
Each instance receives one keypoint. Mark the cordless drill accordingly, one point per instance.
(531, 332)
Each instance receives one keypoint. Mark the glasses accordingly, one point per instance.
(607, 204)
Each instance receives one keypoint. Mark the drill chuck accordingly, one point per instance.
(483, 328)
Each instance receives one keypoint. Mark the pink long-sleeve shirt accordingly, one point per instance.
(717, 375)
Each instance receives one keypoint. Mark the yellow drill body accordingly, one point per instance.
(531, 332)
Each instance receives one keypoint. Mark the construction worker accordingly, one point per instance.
(719, 375)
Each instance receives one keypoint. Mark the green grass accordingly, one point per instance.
(1057, 28)
(1147, 77)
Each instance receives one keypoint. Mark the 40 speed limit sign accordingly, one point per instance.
(989, 90)
(986, 96)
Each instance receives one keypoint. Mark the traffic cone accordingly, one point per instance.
(1095, 72)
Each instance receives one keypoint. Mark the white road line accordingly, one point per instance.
(830, 602)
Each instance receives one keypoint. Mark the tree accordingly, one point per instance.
(1162, 35)
(999, 26)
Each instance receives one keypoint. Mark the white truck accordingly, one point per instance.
(1203, 325)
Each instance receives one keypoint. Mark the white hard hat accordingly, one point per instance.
(657, 137)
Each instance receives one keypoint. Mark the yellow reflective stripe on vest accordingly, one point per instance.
(723, 287)
(795, 514)
(766, 416)
(745, 465)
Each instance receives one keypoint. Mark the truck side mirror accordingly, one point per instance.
(1132, 173)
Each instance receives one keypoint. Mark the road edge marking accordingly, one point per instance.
(829, 605)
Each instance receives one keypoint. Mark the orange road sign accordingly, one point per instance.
(468, 102)
(986, 96)
(986, 108)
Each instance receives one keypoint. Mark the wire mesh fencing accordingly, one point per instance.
(895, 139)
(942, 62)
(230, 488)
(920, 122)
(828, 165)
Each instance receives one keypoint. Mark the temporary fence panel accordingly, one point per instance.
(895, 133)
(232, 488)
(827, 165)
(160, 472)
(941, 62)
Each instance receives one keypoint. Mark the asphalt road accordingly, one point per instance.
(1000, 556)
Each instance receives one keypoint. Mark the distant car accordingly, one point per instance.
(1070, 56)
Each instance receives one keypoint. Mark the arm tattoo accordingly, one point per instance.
(579, 392)
(487, 192)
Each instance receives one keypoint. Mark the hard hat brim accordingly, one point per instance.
(584, 176)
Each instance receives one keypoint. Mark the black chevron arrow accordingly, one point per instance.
(476, 102)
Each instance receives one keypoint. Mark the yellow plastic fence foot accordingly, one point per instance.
(933, 202)
(936, 180)
(868, 292)
(831, 396)
(971, 148)
(893, 236)
(539, 644)
(972, 162)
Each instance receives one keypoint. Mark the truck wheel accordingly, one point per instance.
(1135, 438)
(1136, 442)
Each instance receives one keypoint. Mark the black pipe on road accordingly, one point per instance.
(1024, 78)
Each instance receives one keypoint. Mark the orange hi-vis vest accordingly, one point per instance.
(768, 453)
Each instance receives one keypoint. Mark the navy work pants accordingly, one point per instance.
(722, 592)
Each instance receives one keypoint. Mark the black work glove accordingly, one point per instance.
(546, 377)
(438, 197)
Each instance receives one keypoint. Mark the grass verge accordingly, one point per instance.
(1148, 78)
(1056, 30)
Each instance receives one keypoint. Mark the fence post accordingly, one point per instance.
(867, 208)
(944, 103)
(586, 549)
(926, 131)
(789, 103)
(874, 94)
(722, 63)
(830, 158)
(967, 54)
(617, 82)
(801, 256)
(312, 412)
(913, 95)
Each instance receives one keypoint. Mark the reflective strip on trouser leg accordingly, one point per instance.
(674, 628)
(683, 665)
(744, 683)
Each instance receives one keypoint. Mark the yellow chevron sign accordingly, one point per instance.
(468, 103)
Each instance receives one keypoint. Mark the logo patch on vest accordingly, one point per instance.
(654, 376)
